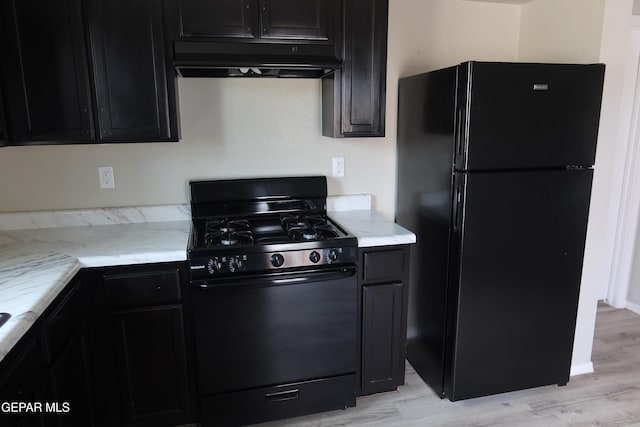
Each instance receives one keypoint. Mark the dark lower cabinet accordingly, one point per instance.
(381, 337)
(150, 381)
(23, 379)
(384, 282)
(354, 98)
(151, 365)
(3, 127)
(71, 387)
(50, 366)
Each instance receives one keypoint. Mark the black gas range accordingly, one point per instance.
(274, 300)
(252, 225)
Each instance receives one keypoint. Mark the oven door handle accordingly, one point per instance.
(276, 279)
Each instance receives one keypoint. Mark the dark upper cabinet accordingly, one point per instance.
(354, 98)
(83, 72)
(132, 84)
(221, 18)
(298, 19)
(301, 21)
(46, 72)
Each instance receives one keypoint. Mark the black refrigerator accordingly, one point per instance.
(494, 177)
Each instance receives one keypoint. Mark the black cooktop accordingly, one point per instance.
(264, 229)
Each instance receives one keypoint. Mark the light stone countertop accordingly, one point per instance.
(38, 260)
(372, 229)
(37, 264)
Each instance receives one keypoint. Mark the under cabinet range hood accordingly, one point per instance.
(221, 59)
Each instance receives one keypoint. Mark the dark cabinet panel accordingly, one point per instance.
(65, 332)
(151, 365)
(59, 94)
(130, 71)
(298, 19)
(384, 295)
(71, 383)
(354, 98)
(285, 20)
(50, 366)
(3, 127)
(381, 333)
(220, 18)
(148, 359)
(46, 71)
(22, 379)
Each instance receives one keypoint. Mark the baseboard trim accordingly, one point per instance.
(633, 307)
(584, 368)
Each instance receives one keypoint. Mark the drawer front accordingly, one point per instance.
(384, 265)
(63, 322)
(143, 289)
(273, 403)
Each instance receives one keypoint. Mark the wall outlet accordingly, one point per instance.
(105, 174)
(338, 166)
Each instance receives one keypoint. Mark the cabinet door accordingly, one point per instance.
(354, 98)
(45, 71)
(151, 367)
(3, 127)
(70, 383)
(130, 71)
(22, 379)
(219, 18)
(298, 19)
(382, 357)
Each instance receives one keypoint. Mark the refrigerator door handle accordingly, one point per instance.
(457, 209)
(459, 134)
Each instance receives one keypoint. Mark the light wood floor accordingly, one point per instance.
(608, 397)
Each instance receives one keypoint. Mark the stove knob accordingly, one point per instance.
(332, 256)
(214, 266)
(235, 264)
(277, 260)
(314, 257)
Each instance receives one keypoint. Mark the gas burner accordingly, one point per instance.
(227, 232)
(227, 225)
(312, 227)
(227, 238)
(296, 221)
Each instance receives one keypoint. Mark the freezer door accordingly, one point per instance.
(514, 287)
(516, 115)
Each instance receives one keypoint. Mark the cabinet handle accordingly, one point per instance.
(281, 396)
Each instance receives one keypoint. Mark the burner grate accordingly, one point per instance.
(305, 228)
(227, 232)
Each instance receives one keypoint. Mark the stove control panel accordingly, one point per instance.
(201, 268)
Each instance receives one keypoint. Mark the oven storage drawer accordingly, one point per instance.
(143, 289)
(272, 403)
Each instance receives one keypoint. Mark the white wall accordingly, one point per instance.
(561, 31)
(586, 31)
(260, 127)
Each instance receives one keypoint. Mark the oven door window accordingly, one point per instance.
(258, 331)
